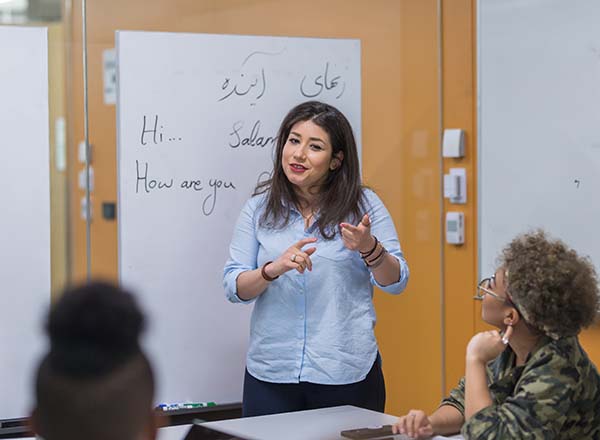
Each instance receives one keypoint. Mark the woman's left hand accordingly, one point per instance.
(358, 238)
(486, 346)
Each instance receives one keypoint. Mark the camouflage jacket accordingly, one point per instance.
(555, 395)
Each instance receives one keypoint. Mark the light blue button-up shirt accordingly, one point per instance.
(318, 326)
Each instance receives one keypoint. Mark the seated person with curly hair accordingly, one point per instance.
(532, 379)
(95, 382)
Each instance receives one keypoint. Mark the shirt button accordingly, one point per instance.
(301, 316)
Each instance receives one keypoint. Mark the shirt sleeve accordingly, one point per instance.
(535, 410)
(243, 251)
(456, 398)
(382, 227)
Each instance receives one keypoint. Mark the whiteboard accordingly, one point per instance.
(539, 119)
(25, 219)
(197, 116)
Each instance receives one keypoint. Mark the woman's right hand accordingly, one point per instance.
(294, 258)
(415, 424)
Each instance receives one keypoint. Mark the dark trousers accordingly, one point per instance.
(261, 398)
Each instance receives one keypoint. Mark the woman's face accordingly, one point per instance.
(495, 300)
(308, 156)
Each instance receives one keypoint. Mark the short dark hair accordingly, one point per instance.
(341, 198)
(95, 382)
(554, 288)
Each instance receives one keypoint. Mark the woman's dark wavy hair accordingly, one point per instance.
(554, 287)
(341, 197)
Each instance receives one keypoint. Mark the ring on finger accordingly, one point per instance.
(293, 258)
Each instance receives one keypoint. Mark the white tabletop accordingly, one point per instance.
(173, 432)
(319, 424)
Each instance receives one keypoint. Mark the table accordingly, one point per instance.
(318, 424)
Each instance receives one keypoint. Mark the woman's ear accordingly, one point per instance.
(336, 160)
(511, 316)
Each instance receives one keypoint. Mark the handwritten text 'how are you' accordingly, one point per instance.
(147, 183)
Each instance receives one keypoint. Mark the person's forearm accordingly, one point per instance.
(446, 420)
(251, 283)
(477, 393)
(388, 272)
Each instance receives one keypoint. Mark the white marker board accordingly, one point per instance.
(25, 219)
(539, 113)
(197, 117)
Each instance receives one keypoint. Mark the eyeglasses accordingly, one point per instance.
(482, 291)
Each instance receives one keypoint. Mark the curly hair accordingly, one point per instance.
(554, 288)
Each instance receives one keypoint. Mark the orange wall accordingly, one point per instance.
(459, 111)
(58, 177)
(407, 173)
(590, 339)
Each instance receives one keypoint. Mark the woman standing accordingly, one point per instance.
(308, 248)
